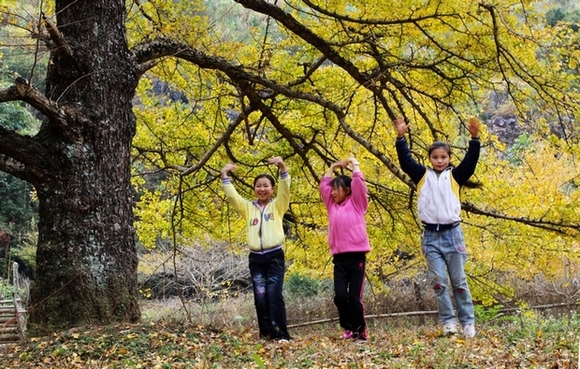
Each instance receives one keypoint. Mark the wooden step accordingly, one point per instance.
(9, 339)
(8, 330)
(7, 309)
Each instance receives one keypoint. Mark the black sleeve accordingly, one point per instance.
(467, 166)
(413, 169)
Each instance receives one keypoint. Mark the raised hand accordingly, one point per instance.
(401, 126)
(473, 127)
(278, 161)
(228, 168)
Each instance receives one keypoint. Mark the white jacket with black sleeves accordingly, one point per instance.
(438, 193)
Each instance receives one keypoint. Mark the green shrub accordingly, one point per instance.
(6, 290)
(302, 286)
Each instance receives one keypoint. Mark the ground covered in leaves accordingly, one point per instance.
(533, 342)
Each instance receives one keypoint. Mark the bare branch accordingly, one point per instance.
(231, 127)
(56, 36)
(23, 91)
(553, 226)
(144, 67)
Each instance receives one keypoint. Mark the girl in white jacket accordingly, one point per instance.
(439, 208)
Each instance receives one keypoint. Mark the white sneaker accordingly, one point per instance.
(449, 329)
(468, 331)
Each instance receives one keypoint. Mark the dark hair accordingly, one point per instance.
(268, 177)
(439, 145)
(341, 181)
(442, 145)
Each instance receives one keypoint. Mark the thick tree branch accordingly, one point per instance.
(165, 47)
(23, 91)
(319, 43)
(21, 156)
(306, 34)
(373, 22)
(56, 36)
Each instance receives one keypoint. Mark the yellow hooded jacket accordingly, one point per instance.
(264, 227)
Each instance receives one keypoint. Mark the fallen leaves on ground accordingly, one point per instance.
(159, 345)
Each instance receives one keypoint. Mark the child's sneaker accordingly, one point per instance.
(468, 331)
(360, 337)
(449, 329)
(347, 334)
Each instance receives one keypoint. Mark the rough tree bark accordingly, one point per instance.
(79, 163)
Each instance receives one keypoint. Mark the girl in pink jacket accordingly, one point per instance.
(346, 202)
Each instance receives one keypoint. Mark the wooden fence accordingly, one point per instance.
(13, 311)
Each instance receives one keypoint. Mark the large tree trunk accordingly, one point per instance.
(86, 257)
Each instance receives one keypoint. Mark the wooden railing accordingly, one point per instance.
(13, 311)
(20, 297)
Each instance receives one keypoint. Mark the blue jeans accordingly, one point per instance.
(267, 272)
(445, 254)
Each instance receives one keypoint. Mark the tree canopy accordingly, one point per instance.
(313, 82)
(324, 80)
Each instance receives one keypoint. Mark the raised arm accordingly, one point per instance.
(473, 127)
(406, 161)
(353, 163)
(333, 166)
(279, 162)
(466, 168)
(358, 185)
(229, 167)
(401, 127)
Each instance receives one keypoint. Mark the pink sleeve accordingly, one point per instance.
(359, 191)
(325, 190)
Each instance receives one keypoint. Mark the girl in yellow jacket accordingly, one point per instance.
(265, 237)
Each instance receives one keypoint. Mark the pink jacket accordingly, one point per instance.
(347, 231)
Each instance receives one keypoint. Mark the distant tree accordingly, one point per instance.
(19, 209)
(557, 15)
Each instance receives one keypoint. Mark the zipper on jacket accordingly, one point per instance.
(260, 229)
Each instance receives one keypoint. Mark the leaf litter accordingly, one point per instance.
(170, 345)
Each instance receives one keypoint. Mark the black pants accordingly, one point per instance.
(349, 277)
(267, 271)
